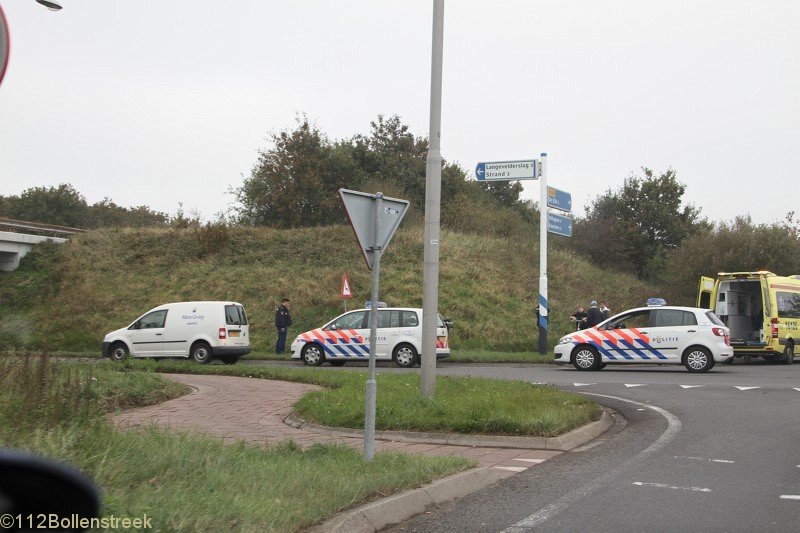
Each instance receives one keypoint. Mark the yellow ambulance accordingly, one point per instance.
(761, 309)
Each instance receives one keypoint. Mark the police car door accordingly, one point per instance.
(672, 330)
(388, 332)
(625, 339)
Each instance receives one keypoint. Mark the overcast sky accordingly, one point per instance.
(156, 102)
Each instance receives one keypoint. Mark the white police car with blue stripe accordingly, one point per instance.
(693, 337)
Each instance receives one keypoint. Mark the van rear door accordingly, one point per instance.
(237, 330)
(704, 292)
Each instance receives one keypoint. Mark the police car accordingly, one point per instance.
(346, 338)
(661, 334)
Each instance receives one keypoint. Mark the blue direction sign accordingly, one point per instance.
(559, 224)
(558, 199)
(508, 170)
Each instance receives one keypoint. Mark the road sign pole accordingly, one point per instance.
(372, 384)
(543, 305)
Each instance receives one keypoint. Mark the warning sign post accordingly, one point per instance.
(345, 294)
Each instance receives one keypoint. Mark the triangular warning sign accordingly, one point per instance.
(345, 292)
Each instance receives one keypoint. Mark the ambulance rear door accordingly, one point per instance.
(705, 292)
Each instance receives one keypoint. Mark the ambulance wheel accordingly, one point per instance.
(118, 352)
(788, 353)
(697, 359)
(201, 353)
(586, 358)
(405, 356)
(337, 363)
(312, 354)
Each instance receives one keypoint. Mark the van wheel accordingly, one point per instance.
(201, 353)
(405, 356)
(788, 353)
(312, 354)
(119, 352)
(698, 359)
(586, 358)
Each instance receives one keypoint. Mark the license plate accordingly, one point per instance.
(234, 333)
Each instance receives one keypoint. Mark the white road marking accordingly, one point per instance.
(583, 384)
(629, 385)
(535, 461)
(790, 496)
(797, 389)
(512, 468)
(546, 513)
(726, 461)
(691, 386)
(747, 388)
(672, 487)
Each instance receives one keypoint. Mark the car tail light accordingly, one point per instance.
(774, 327)
(722, 332)
(222, 333)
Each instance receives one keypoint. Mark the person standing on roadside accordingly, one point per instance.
(605, 310)
(579, 317)
(593, 316)
(282, 322)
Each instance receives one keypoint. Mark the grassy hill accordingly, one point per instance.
(66, 297)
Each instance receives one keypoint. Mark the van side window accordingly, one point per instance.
(388, 319)
(409, 319)
(354, 320)
(788, 304)
(152, 320)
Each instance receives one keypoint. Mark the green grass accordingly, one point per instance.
(183, 481)
(66, 297)
(461, 404)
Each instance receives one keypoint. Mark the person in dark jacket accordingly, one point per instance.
(593, 316)
(579, 317)
(282, 322)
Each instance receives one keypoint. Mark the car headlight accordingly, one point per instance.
(565, 340)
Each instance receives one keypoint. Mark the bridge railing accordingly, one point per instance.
(38, 227)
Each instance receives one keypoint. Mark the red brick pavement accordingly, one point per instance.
(253, 410)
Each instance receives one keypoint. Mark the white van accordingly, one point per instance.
(346, 338)
(200, 330)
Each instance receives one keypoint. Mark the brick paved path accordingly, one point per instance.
(253, 410)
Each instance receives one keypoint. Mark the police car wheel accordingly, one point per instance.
(586, 358)
(698, 359)
(118, 351)
(405, 356)
(312, 354)
(788, 353)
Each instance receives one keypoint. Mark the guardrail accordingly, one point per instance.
(39, 227)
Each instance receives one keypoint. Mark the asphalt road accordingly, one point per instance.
(692, 452)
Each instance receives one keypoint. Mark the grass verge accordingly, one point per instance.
(181, 481)
(461, 405)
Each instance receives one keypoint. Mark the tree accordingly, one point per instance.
(638, 224)
(294, 183)
(62, 205)
(739, 246)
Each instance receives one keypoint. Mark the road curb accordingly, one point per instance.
(394, 509)
(566, 442)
